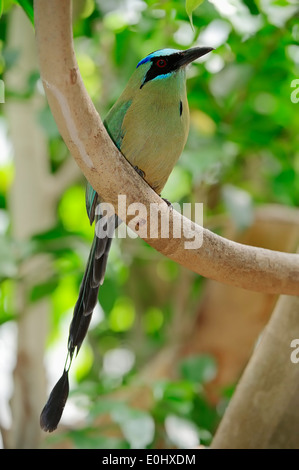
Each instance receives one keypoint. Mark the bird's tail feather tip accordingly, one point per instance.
(52, 411)
(88, 297)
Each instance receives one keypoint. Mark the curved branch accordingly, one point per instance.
(110, 174)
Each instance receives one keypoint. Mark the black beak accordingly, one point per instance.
(172, 62)
(188, 56)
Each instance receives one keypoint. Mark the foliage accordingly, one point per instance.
(242, 151)
(27, 6)
(191, 5)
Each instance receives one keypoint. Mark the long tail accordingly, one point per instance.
(93, 278)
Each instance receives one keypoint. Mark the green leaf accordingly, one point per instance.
(131, 421)
(27, 6)
(178, 392)
(122, 315)
(191, 5)
(281, 3)
(42, 290)
(252, 6)
(198, 369)
(7, 301)
(1, 7)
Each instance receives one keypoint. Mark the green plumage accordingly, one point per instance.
(152, 133)
(149, 124)
(148, 127)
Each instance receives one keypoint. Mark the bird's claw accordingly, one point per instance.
(139, 171)
(167, 202)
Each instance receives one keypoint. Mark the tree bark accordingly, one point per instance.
(263, 412)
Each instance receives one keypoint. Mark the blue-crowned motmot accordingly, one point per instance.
(149, 124)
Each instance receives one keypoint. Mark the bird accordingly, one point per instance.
(149, 124)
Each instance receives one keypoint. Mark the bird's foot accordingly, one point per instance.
(167, 202)
(139, 171)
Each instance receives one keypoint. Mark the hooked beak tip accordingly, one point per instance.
(192, 54)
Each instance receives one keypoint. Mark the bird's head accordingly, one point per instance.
(166, 63)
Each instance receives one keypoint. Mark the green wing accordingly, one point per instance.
(114, 121)
(113, 124)
(91, 201)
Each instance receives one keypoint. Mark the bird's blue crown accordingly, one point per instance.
(160, 52)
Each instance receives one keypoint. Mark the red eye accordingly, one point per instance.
(161, 63)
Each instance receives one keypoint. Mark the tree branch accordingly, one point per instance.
(110, 174)
(262, 413)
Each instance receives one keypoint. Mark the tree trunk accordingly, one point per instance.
(263, 412)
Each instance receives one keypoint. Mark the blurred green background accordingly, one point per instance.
(242, 153)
